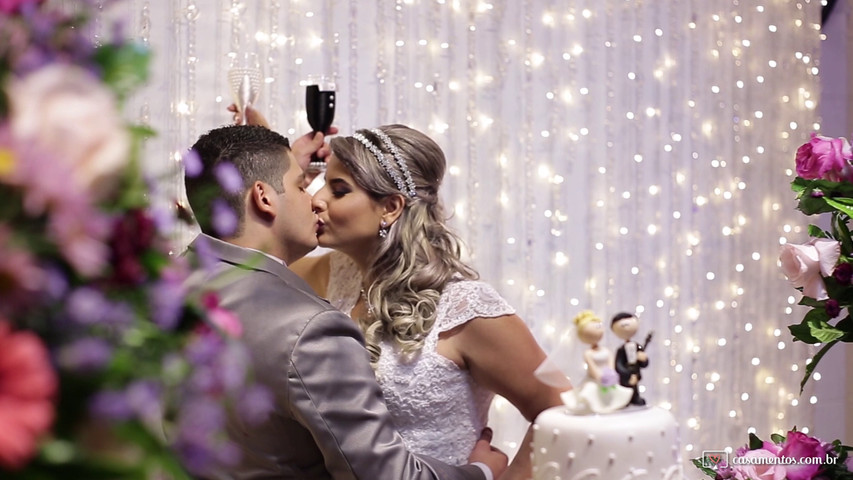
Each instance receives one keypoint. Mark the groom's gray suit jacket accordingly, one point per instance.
(329, 419)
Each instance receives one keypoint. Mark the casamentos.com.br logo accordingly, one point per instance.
(715, 459)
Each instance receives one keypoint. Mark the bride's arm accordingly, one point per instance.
(502, 354)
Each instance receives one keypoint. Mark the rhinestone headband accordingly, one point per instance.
(401, 162)
(406, 186)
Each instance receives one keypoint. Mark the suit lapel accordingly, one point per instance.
(205, 245)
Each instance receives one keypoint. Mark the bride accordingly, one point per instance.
(442, 343)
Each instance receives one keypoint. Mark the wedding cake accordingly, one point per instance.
(638, 442)
(604, 430)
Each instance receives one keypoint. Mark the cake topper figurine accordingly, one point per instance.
(631, 356)
(599, 392)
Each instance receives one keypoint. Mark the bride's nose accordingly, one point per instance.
(318, 203)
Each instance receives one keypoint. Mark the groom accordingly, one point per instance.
(329, 419)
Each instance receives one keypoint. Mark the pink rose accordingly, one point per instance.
(27, 387)
(753, 466)
(798, 445)
(66, 110)
(804, 265)
(826, 158)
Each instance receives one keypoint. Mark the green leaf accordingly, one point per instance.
(124, 68)
(707, 471)
(810, 205)
(811, 366)
(777, 439)
(803, 331)
(817, 232)
(823, 331)
(841, 232)
(755, 442)
(811, 302)
(842, 207)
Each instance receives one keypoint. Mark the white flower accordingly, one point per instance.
(804, 265)
(67, 111)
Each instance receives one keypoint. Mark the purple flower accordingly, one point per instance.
(143, 397)
(192, 164)
(609, 377)
(206, 257)
(167, 302)
(832, 308)
(110, 405)
(228, 177)
(204, 348)
(843, 273)
(255, 404)
(224, 218)
(85, 354)
(197, 440)
(233, 365)
(86, 306)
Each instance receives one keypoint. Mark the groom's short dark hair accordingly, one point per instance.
(256, 152)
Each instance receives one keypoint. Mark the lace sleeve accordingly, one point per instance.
(465, 300)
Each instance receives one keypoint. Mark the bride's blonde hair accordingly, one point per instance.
(419, 255)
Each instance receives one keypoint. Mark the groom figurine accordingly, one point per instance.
(329, 420)
(630, 357)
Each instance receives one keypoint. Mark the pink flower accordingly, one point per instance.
(798, 445)
(10, 6)
(826, 158)
(753, 466)
(222, 318)
(804, 265)
(67, 111)
(27, 386)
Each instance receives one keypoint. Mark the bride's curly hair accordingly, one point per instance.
(420, 254)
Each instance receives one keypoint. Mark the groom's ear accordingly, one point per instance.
(393, 206)
(262, 198)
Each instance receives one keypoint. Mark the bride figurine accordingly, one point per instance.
(599, 392)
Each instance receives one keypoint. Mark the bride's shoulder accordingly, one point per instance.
(314, 270)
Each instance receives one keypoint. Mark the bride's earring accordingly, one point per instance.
(383, 229)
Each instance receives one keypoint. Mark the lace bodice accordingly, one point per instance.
(437, 407)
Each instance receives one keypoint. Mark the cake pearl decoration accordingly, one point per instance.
(590, 439)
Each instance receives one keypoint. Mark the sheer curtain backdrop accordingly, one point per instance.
(604, 154)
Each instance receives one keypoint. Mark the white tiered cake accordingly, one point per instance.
(638, 442)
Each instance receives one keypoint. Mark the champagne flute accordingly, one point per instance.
(320, 107)
(245, 79)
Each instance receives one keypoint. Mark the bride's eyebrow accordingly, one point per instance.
(338, 182)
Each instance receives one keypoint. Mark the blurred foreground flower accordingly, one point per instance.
(107, 368)
(27, 388)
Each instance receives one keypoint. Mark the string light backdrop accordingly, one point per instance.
(607, 155)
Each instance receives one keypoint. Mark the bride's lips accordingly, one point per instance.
(319, 228)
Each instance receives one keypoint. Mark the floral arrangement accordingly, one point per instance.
(795, 456)
(107, 368)
(822, 269)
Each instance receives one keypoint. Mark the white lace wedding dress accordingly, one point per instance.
(437, 407)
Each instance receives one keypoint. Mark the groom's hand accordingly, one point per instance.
(485, 453)
(312, 143)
